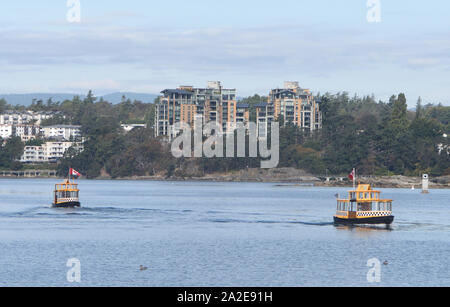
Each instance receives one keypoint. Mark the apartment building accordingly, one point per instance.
(67, 132)
(292, 103)
(49, 152)
(187, 104)
(242, 113)
(264, 117)
(26, 132)
(24, 118)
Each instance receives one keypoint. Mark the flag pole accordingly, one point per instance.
(354, 178)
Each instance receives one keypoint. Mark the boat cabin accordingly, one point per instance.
(364, 205)
(66, 194)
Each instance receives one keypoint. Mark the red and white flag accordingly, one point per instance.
(74, 173)
(352, 175)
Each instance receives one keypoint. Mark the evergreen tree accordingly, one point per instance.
(419, 108)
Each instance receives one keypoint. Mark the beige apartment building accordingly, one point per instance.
(291, 103)
(188, 104)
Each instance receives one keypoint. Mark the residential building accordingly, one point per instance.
(33, 154)
(242, 113)
(129, 127)
(187, 104)
(26, 132)
(48, 152)
(292, 103)
(67, 132)
(264, 117)
(24, 118)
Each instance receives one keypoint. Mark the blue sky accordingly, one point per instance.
(146, 46)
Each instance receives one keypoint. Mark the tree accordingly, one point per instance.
(419, 108)
(398, 119)
(3, 105)
(90, 98)
(10, 153)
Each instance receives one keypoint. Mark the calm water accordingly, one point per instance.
(215, 234)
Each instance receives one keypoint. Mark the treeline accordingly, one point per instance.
(377, 138)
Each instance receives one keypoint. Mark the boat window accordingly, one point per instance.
(364, 206)
(361, 195)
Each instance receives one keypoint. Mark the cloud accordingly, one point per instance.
(84, 86)
(240, 50)
(423, 62)
(147, 59)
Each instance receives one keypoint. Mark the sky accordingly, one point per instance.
(253, 46)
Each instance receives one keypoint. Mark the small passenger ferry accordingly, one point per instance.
(66, 194)
(364, 206)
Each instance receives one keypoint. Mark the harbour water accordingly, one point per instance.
(215, 234)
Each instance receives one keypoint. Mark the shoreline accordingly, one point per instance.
(399, 182)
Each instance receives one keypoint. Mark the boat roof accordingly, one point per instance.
(67, 183)
(364, 188)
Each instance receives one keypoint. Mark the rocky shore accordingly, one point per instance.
(277, 175)
(394, 182)
(296, 176)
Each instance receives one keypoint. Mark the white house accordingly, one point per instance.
(129, 127)
(66, 132)
(26, 132)
(48, 152)
(23, 118)
(33, 154)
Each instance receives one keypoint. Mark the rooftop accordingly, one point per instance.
(64, 126)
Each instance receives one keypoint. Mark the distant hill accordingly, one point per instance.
(117, 97)
(27, 99)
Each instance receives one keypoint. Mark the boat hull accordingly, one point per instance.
(388, 220)
(70, 204)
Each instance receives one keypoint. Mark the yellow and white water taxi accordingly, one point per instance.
(364, 206)
(66, 194)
